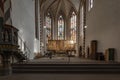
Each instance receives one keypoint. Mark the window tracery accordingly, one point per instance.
(60, 28)
(73, 26)
(48, 26)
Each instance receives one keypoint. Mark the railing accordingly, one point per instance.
(23, 47)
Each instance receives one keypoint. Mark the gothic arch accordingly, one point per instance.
(61, 13)
(48, 15)
(64, 23)
(72, 10)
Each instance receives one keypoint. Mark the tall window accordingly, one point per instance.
(73, 27)
(90, 5)
(48, 26)
(60, 28)
(82, 22)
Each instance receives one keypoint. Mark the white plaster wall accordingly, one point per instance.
(23, 18)
(103, 23)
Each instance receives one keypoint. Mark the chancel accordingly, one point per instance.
(59, 36)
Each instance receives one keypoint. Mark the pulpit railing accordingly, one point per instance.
(23, 47)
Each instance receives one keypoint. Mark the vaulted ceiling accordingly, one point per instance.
(57, 6)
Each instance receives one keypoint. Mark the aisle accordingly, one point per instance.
(67, 60)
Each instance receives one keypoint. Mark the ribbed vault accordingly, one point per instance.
(56, 6)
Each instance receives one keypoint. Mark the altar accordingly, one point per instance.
(61, 46)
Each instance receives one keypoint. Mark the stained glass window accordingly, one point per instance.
(90, 5)
(82, 22)
(60, 28)
(48, 26)
(73, 27)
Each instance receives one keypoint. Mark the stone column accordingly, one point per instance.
(6, 63)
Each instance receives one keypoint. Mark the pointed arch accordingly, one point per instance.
(73, 24)
(72, 10)
(72, 7)
(61, 27)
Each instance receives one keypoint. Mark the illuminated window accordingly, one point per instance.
(60, 28)
(73, 27)
(48, 26)
(81, 22)
(90, 4)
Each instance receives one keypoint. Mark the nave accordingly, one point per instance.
(87, 29)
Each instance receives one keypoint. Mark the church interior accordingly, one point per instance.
(43, 36)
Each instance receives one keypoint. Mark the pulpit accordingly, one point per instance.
(8, 44)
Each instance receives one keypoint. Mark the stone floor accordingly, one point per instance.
(59, 76)
(67, 60)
